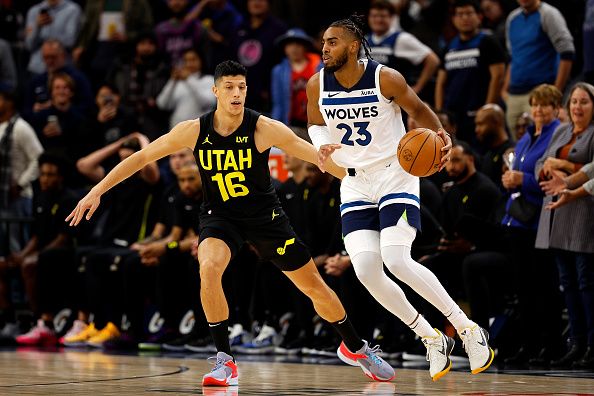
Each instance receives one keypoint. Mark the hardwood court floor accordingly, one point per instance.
(34, 372)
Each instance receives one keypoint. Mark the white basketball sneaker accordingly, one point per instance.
(476, 345)
(439, 349)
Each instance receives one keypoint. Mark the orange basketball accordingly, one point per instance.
(419, 152)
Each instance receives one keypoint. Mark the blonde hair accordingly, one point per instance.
(546, 94)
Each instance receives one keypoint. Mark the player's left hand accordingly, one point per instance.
(324, 152)
(447, 149)
(89, 202)
(565, 196)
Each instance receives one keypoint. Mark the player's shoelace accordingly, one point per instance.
(218, 363)
(372, 353)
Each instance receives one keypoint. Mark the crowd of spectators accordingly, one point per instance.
(507, 227)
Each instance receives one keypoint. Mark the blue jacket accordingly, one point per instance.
(528, 152)
(281, 90)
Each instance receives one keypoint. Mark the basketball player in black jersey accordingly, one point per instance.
(231, 146)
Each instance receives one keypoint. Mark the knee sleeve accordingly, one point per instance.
(368, 267)
(417, 276)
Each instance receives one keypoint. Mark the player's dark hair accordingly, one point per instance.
(355, 24)
(229, 68)
(465, 3)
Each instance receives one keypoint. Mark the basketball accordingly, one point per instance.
(419, 152)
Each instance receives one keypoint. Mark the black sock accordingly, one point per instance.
(220, 335)
(348, 333)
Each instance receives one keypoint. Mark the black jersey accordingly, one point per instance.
(235, 176)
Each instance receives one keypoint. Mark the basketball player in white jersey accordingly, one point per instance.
(354, 116)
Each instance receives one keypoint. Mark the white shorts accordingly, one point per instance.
(382, 200)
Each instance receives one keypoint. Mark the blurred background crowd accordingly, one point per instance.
(508, 226)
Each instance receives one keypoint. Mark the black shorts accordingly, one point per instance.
(271, 234)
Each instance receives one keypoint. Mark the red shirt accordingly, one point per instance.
(298, 112)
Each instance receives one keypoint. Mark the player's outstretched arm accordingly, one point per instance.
(393, 86)
(274, 133)
(182, 135)
(316, 126)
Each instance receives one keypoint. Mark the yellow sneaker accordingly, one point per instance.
(79, 334)
(109, 332)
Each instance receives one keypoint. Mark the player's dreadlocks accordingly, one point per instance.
(354, 24)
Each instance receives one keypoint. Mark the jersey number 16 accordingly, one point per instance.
(228, 188)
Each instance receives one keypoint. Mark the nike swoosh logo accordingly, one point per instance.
(483, 342)
(333, 95)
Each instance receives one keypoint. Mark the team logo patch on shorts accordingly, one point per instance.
(281, 250)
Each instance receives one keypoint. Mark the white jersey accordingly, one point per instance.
(366, 124)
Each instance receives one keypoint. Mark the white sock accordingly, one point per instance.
(422, 328)
(458, 318)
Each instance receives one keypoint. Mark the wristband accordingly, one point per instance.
(319, 135)
(173, 245)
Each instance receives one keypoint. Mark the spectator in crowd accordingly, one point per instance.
(139, 82)
(124, 225)
(541, 50)
(524, 121)
(8, 74)
(19, 149)
(398, 49)
(534, 278)
(165, 264)
(472, 69)
(50, 19)
(46, 279)
(61, 127)
(473, 195)
(493, 139)
(569, 228)
(107, 27)
(177, 35)
(494, 14)
(289, 78)
(221, 21)
(81, 331)
(254, 48)
(188, 93)
(112, 121)
(54, 56)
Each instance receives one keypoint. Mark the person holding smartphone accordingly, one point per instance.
(59, 19)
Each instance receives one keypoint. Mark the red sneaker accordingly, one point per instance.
(224, 373)
(40, 335)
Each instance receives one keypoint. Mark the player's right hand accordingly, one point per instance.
(89, 202)
(324, 152)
